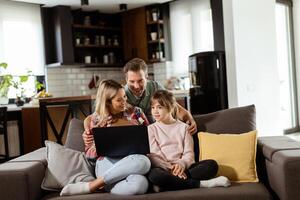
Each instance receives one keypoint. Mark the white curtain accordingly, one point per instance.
(21, 39)
(191, 31)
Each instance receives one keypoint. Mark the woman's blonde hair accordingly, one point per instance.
(166, 99)
(106, 92)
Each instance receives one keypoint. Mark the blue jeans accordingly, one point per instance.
(124, 174)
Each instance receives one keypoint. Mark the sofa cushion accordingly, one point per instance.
(272, 144)
(65, 166)
(235, 154)
(245, 191)
(74, 138)
(233, 120)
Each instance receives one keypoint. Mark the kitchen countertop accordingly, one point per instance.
(180, 93)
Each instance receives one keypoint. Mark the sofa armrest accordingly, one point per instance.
(21, 178)
(282, 164)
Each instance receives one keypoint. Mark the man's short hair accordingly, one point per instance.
(135, 65)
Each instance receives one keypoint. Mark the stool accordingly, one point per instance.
(3, 131)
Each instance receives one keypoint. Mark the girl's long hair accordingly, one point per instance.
(166, 99)
(106, 92)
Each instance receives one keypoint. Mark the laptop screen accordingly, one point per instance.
(120, 141)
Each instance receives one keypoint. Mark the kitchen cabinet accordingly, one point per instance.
(94, 39)
(97, 38)
(158, 33)
(135, 34)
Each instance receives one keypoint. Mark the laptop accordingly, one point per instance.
(120, 141)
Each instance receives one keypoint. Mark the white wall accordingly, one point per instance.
(250, 45)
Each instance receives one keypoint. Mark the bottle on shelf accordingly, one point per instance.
(97, 40)
(87, 21)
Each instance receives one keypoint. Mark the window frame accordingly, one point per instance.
(292, 69)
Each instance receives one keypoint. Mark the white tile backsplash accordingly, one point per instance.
(67, 81)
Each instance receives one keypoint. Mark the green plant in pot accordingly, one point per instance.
(7, 81)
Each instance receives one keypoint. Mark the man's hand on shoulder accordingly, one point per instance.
(192, 126)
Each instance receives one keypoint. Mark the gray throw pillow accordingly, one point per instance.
(65, 166)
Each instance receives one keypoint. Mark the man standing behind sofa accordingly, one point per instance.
(139, 90)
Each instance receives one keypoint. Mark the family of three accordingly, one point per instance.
(170, 164)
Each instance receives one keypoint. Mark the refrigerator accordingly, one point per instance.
(208, 91)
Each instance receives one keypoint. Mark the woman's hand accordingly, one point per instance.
(88, 138)
(178, 170)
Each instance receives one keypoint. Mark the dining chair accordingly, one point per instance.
(3, 131)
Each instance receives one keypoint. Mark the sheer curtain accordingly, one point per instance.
(191, 31)
(21, 40)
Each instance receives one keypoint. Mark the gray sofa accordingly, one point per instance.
(278, 165)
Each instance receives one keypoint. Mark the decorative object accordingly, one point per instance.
(19, 101)
(116, 42)
(97, 40)
(155, 15)
(86, 40)
(77, 37)
(87, 59)
(111, 57)
(102, 40)
(109, 41)
(153, 35)
(87, 21)
(159, 55)
(7, 81)
(105, 59)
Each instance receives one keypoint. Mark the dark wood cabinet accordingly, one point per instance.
(158, 34)
(93, 39)
(135, 34)
(97, 38)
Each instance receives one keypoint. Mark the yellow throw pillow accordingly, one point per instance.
(235, 154)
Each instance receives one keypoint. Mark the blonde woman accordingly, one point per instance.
(123, 176)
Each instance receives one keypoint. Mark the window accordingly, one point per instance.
(21, 41)
(286, 67)
(192, 31)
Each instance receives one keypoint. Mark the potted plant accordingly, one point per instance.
(7, 81)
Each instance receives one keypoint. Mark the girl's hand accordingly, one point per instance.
(88, 138)
(178, 170)
(105, 122)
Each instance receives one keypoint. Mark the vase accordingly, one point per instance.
(19, 101)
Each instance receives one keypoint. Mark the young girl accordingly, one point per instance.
(121, 175)
(172, 154)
